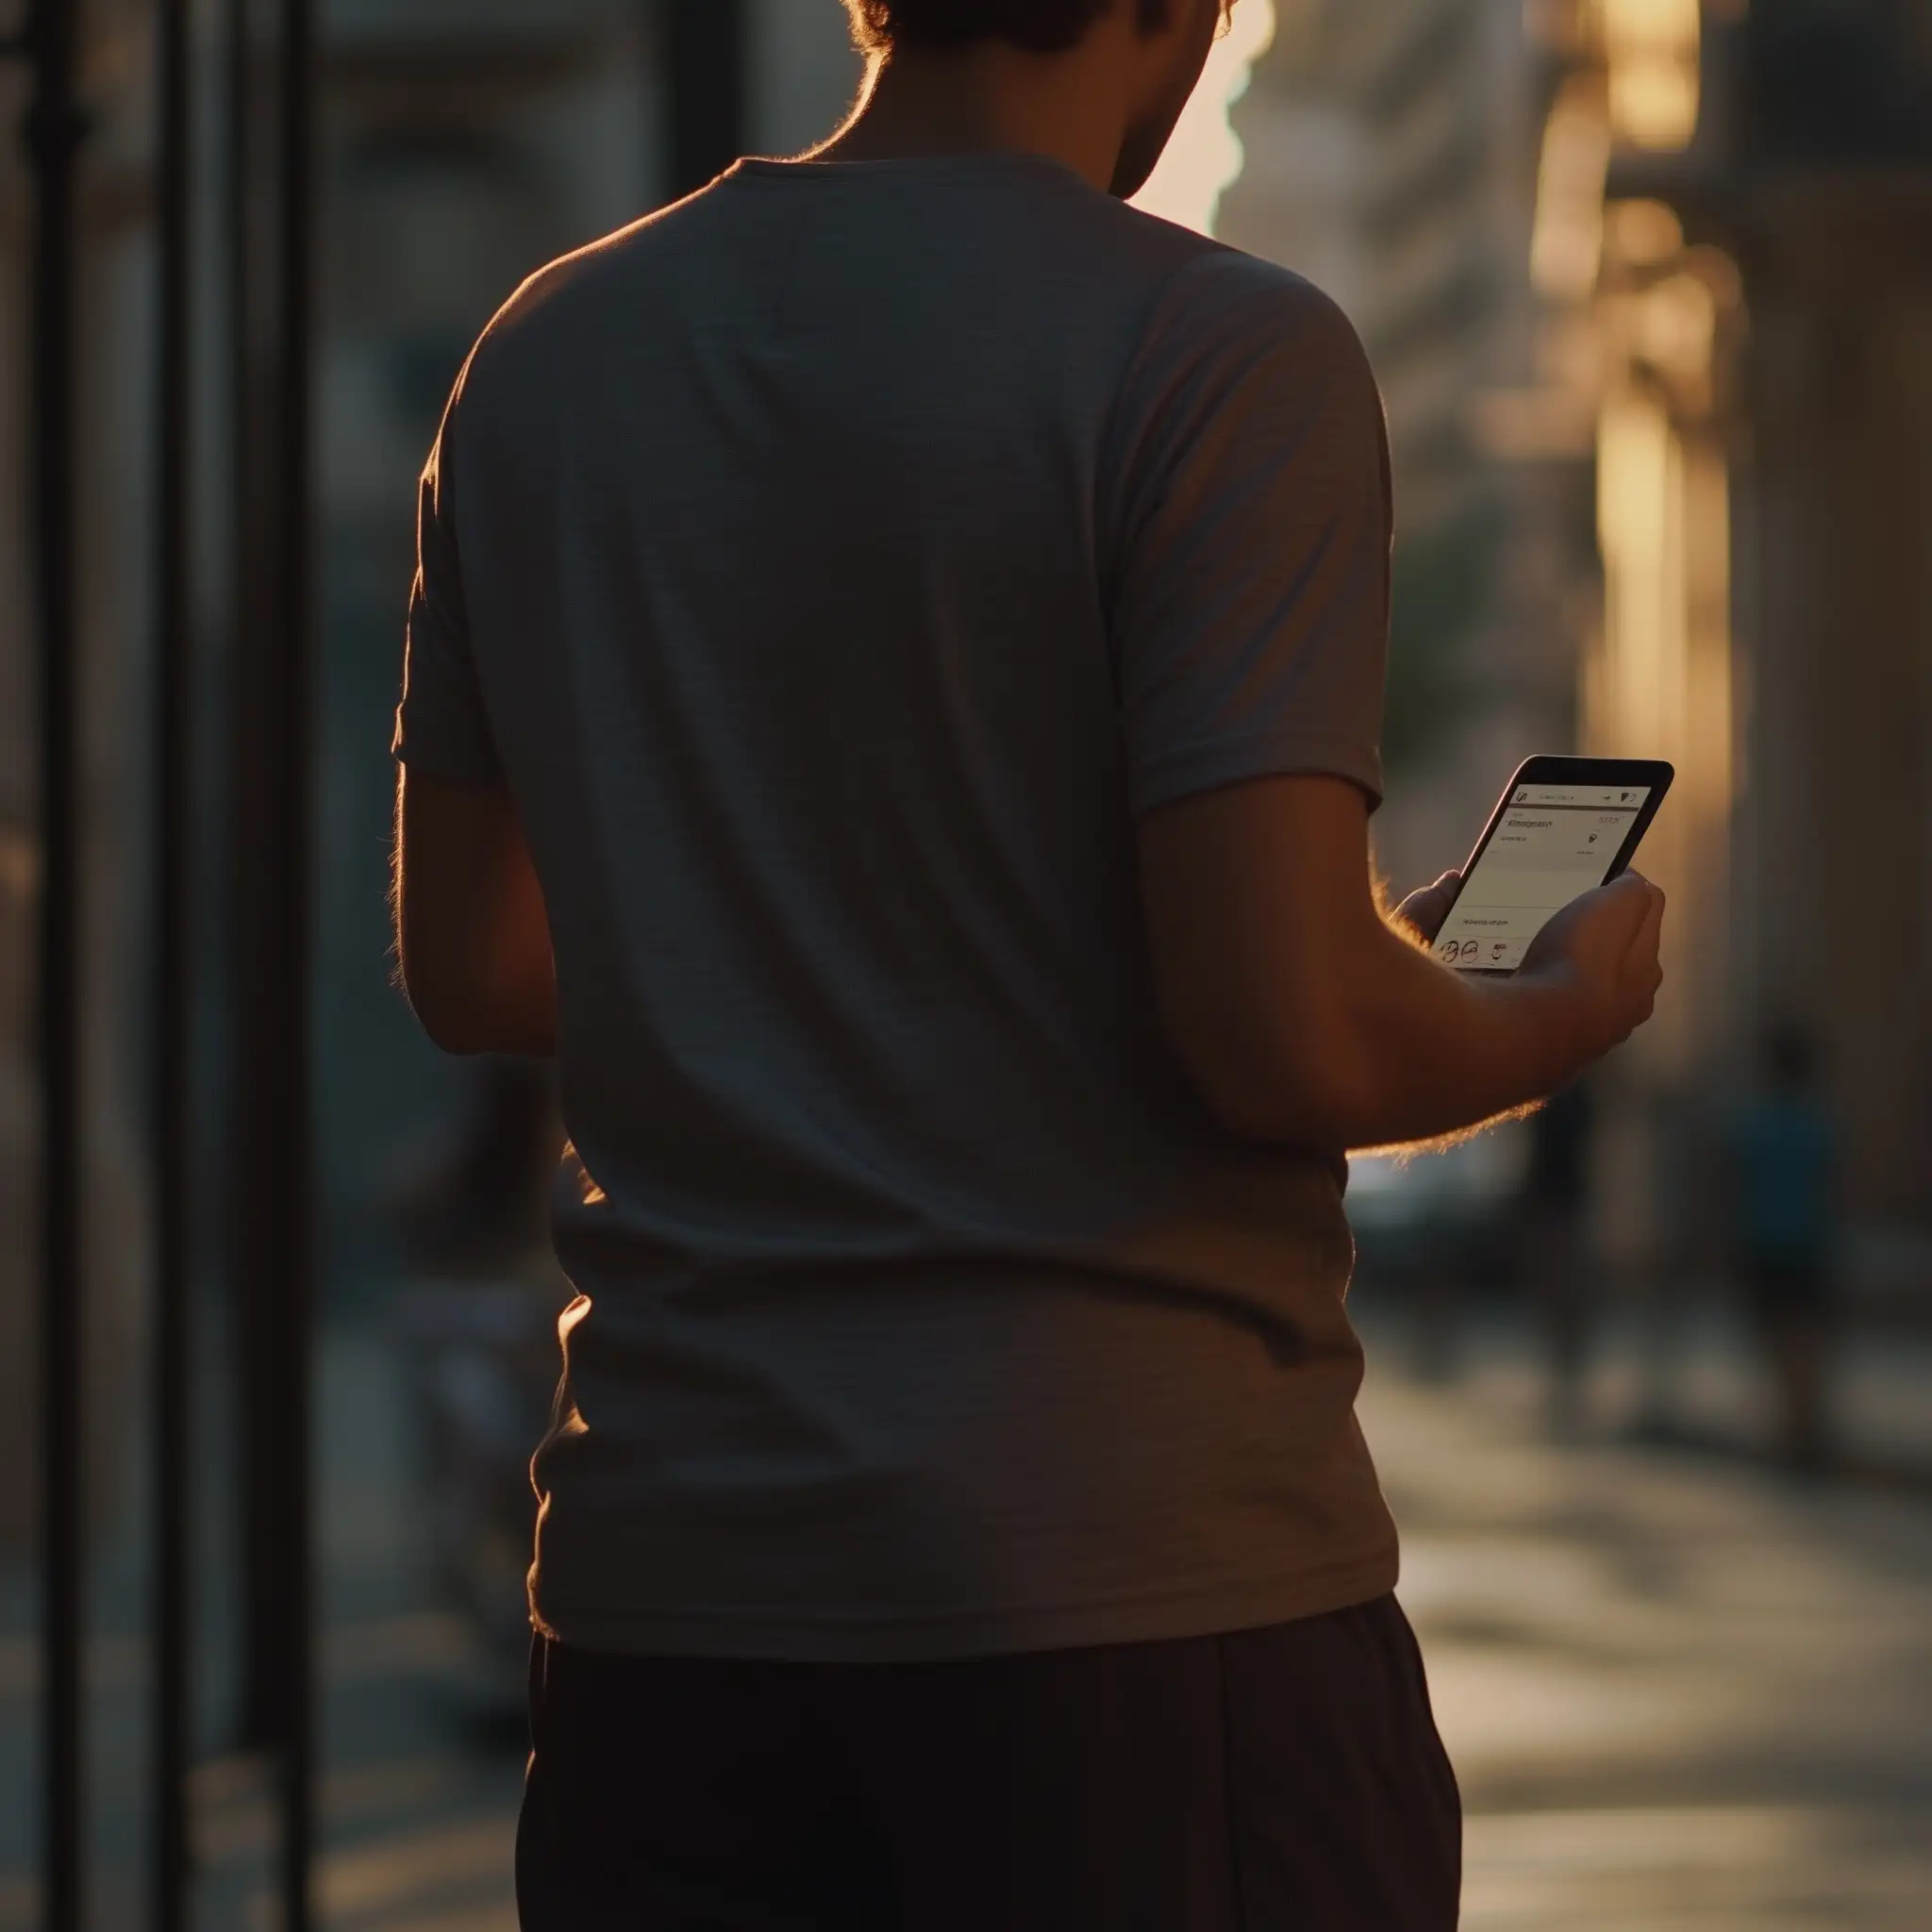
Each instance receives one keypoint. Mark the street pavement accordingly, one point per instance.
(1683, 1694)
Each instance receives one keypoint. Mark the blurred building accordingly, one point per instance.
(1756, 280)
(464, 143)
(1391, 157)
(1646, 283)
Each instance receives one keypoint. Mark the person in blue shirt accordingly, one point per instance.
(1784, 1159)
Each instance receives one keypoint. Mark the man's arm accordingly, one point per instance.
(472, 940)
(1304, 1019)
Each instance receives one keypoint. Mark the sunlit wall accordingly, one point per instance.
(1204, 158)
(1656, 679)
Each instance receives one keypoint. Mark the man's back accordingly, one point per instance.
(834, 569)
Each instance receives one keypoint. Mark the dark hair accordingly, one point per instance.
(1043, 26)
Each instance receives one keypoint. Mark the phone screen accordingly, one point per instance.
(1552, 844)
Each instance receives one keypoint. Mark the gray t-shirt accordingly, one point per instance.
(833, 567)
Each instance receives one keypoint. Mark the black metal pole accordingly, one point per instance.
(273, 1229)
(288, 726)
(54, 130)
(705, 48)
(253, 1236)
(171, 1870)
(253, 1156)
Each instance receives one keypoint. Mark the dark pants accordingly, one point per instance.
(1795, 1310)
(1287, 1780)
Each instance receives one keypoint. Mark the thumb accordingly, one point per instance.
(1424, 911)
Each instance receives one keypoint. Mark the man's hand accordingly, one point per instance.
(1604, 947)
(1304, 1016)
(1606, 943)
(1423, 913)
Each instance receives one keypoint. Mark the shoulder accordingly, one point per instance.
(1223, 319)
(508, 360)
(1243, 361)
(1240, 342)
(1191, 291)
(1228, 287)
(567, 301)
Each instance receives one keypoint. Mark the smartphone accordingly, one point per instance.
(1562, 827)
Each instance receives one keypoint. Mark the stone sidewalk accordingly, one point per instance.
(1683, 1694)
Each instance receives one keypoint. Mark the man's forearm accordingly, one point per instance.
(473, 936)
(463, 1014)
(524, 1019)
(1395, 1050)
(525, 1024)
(1436, 1052)
(1303, 1018)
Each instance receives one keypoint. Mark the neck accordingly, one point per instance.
(990, 98)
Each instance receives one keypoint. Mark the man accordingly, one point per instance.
(892, 699)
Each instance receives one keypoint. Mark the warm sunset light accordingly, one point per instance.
(1205, 156)
(762, 1174)
(1652, 51)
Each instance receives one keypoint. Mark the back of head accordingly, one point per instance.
(1042, 26)
(1135, 62)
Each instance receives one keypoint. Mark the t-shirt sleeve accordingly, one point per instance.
(442, 728)
(1249, 594)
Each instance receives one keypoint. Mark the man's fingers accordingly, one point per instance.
(1645, 944)
(1650, 932)
(1642, 905)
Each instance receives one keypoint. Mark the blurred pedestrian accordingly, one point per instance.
(1784, 1161)
(892, 699)
(1558, 1266)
